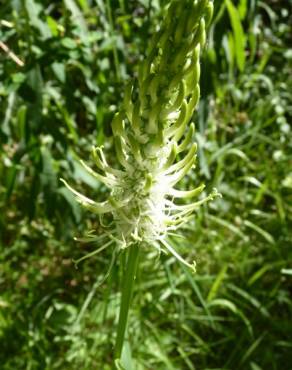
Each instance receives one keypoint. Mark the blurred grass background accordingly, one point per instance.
(236, 312)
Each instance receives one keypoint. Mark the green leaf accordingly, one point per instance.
(254, 366)
(267, 236)
(239, 36)
(69, 121)
(251, 299)
(21, 123)
(126, 360)
(33, 92)
(216, 285)
(59, 70)
(48, 175)
(227, 304)
(33, 10)
(10, 180)
(242, 8)
(53, 25)
(69, 43)
(77, 16)
(8, 114)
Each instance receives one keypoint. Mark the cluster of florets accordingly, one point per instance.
(152, 136)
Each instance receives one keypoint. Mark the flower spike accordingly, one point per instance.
(153, 135)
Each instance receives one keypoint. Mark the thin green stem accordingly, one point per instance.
(127, 292)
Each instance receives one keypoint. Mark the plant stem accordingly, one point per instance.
(127, 292)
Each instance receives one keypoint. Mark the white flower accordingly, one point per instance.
(152, 137)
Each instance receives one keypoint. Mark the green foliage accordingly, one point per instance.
(235, 313)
